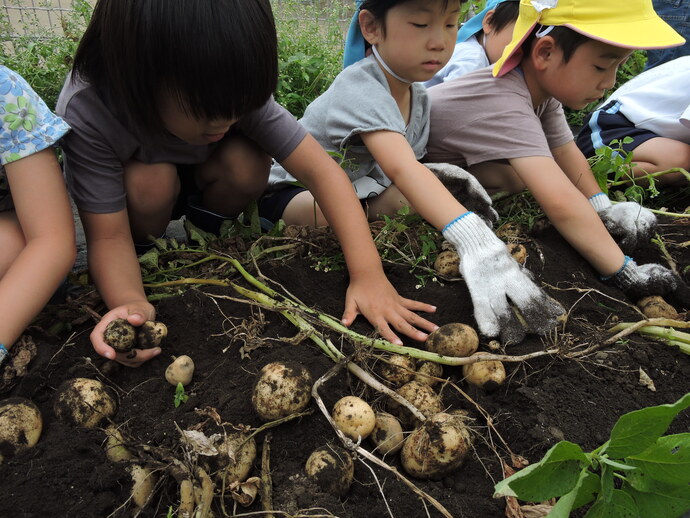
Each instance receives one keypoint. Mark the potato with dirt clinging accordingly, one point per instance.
(120, 335)
(332, 469)
(388, 434)
(83, 402)
(143, 484)
(518, 251)
(487, 375)
(20, 425)
(398, 369)
(447, 264)
(454, 339)
(282, 388)
(354, 417)
(180, 370)
(657, 307)
(235, 459)
(436, 448)
(150, 334)
(427, 372)
(420, 396)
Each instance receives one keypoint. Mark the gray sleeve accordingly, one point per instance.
(274, 129)
(555, 125)
(93, 169)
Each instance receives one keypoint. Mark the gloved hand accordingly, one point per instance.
(628, 222)
(494, 278)
(650, 279)
(466, 189)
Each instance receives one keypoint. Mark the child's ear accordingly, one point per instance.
(371, 29)
(543, 52)
(488, 22)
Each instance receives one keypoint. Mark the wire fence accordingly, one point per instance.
(38, 18)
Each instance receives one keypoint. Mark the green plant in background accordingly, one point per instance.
(180, 396)
(310, 50)
(637, 473)
(43, 55)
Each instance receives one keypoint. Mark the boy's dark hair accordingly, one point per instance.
(379, 8)
(567, 40)
(504, 14)
(217, 57)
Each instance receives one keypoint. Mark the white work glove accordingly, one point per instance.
(494, 278)
(649, 279)
(628, 222)
(466, 189)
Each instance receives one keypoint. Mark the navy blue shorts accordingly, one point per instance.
(606, 124)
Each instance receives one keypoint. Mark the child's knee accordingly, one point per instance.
(152, 186)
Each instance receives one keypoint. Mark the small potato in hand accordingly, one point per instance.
(120, 335)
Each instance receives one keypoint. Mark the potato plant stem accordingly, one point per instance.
(665, 331)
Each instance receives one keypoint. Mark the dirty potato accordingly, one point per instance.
(398, 369)
(657, 307)
(20, 425)
(83, 402)
(332, 469)
(454, 339)
(282, 388)
(120, 335)
(487, 375)
(421, 396)
(354, 417)
(388, 434)
(447, 264)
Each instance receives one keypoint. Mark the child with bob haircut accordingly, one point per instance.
(376, 115)
(172, 112)
(35, 214)
(509, 128)
(652, 110)
(480, 40)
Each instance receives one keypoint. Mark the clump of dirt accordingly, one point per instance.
(545, 399)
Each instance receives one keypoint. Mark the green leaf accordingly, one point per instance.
(196, 235)
(638, 430)
(583, 493)
(620, 505)
(149, 259)
(666, 461)
(661, 505)
(553, 476)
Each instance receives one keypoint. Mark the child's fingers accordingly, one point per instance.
(136, 357)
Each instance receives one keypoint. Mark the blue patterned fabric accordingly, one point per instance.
(27, 125)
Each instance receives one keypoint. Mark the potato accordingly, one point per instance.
(83, 402)
(20, 426)
(453, 339)
(332, 469)
(388, 434)
(421, 396)
(120, 335)
(398, 369)
(447, 264)
(283, 388)
(487, 375)
(180, 371)
(437, 448)
(427, 371)
(143, 484)
(519, 252)
(115, 448)
(235, 459)
(150, 334)
(354, 417)
(657, 307)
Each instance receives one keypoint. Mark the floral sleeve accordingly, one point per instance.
(28, 126)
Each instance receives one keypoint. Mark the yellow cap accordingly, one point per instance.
(630, 24)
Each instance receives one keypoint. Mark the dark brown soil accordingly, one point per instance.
(545, 400)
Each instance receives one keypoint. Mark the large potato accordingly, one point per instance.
(282, 389)
(20, 425)
(657, 307)
(388, 434)
(453, 339)
(421, 396)
(83, 402)
(354, 417)
(332, 469)
(436, 448)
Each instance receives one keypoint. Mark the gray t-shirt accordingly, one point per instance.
(99, 145)
(359, 101)
(477, 117)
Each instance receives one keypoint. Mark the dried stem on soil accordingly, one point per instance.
(266, 480)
